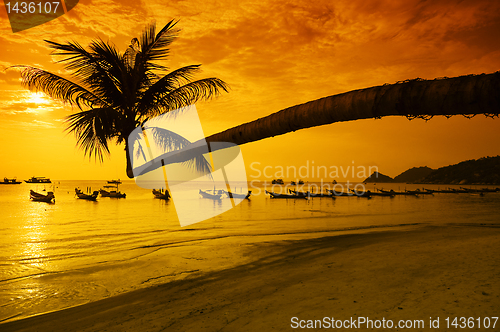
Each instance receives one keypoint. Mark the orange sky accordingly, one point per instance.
(273, 54)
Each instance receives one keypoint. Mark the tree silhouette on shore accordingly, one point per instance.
(117, 92)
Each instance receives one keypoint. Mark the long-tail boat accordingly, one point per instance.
(161, 194)
(239, 196)
(216, 195)
(396, 193)
(309, 194)
(89, 197)
(38, 179)
(276, 195)
(37, 197)
(10, 181)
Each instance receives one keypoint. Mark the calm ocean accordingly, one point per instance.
(54, 256)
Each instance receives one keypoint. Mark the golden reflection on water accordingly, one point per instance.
(35, 220)
(28, 247)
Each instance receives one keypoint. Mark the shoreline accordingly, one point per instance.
(413, 272)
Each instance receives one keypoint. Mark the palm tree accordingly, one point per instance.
(465, 95)
(117, 92)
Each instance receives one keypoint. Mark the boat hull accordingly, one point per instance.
(275, 195)
(238, 196)
(112, 194)
(39, 179)
(15, 182)
(308, 194)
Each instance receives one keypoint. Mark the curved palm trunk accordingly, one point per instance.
(130, 174)
(466, 95)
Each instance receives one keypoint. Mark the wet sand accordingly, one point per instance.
(409, 273)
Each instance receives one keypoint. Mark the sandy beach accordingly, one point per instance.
(415, 272)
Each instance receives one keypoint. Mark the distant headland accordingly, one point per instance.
(484, 170)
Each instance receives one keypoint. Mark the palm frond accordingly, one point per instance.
(96, 67)
(58, 87)
(135, 138)
(185, 95)
(169, 141)
(165, 85)
(154, 46)
(116, 72)
(200, 165)
(131, 53)
(140, 152)
(93, 128)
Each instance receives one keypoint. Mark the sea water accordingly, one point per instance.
(54, 256)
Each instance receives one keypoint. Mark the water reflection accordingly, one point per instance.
(33, 233)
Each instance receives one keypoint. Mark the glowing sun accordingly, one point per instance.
(36, 98)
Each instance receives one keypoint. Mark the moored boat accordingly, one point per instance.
(339, 193)
(89, 197)
(38, 179)
(298, 193)
(10, 181)
(366, 194)
(321, 195)
(37, 197)
(483, 190)
(443, 191)
(459, 191)
(449, 191)
(309, 194)
(351, 193)
(490, 190)
(161, 194)
(216, 195)
(276, 195)
(112, 193)
(385, 193)
(239, 196)
(418, 192)
(395, 193)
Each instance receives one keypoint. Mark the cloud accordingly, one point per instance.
(23, 103)
(4, 65)
(105, 18)
(88, 20)
(38, 123)
(28, 125)
(285, 52)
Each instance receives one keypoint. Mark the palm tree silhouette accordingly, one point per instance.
(117, 92)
